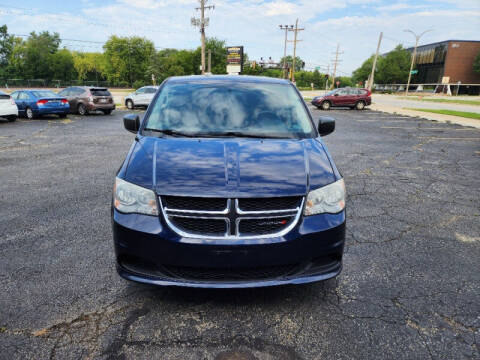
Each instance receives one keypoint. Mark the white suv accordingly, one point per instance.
(8, 108)
(141, 97)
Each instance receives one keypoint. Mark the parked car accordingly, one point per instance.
(141, 97)
(86, 99)
(344, 97)
(8, 108)
(34, 103)
(228, 184)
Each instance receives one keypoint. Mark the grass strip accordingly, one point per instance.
(465, 114)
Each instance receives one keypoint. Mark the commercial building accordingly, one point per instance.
(449, 61)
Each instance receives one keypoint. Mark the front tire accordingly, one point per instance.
(129, 104)
(29, 113)
(360, 105)
(326, 105)
(82, 110)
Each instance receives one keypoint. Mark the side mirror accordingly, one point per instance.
(336, 94)
(131, 122)
(326, 125)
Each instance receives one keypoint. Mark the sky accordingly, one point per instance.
(353, 24)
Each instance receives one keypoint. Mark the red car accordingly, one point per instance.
(344, 97)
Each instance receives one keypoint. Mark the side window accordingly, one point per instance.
(14, 96)
(362, 92)
(342, 92)
(64, 92)
(77, 91)
(151, 91)
(141, 91)
(24, 96)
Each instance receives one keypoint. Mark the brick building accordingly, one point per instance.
(452, 59)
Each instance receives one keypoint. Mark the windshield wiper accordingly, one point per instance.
(240, 134)
(170, 132)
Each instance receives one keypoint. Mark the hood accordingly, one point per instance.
(229, 167)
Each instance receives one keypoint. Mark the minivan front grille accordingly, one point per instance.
(231, 218)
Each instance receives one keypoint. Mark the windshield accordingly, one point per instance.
(211, 108)
(44, 94)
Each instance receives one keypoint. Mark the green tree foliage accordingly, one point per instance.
(392, 68)
(127, 59)
(89, 66)
(476, 64)
(363, 72)
(62, 65)
(6, 48)
(289, 60)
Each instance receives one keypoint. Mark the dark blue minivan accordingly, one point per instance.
(228, 184)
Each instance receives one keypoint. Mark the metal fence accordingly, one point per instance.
(448, 89)
(43, 83)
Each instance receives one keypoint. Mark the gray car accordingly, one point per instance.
(141, 97)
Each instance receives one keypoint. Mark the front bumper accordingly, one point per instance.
(148, 251)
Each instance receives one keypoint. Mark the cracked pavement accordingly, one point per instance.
(409, 288)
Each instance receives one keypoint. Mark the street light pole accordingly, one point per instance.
(417, 38)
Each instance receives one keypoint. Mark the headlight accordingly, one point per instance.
(327, 199)
(130, 198)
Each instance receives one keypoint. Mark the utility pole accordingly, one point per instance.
(417, 38)
(326, 80)
(202, 23)
(335, 63)
(295, 40)
(370, 82)
(209, 61)
(286, 28)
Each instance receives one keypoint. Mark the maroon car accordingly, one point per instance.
(344, 97)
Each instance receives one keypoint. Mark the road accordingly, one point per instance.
(409, 288)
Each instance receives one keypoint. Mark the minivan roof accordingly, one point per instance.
(227, 79)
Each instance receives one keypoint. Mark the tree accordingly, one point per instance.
(289, 59)
(393, 67)
(6, 48)
(89, 66)
(127, 59)
(364, 71)
(219, 56)
(476, 63)
(62, 65)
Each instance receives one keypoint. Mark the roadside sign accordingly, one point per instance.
(445, 79)
(413, 72)
(234, 59)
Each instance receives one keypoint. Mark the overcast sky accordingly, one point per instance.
(354, 24)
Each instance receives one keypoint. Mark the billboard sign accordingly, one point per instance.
(234, 59)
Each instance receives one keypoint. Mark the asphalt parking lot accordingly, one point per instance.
(409, 289)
